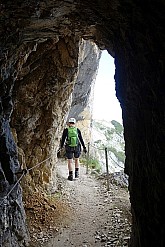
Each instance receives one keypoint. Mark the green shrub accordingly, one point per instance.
(118, 126)
(119, 155)
(93, 163)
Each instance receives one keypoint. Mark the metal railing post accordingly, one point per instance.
(107, 169)
(87, 159)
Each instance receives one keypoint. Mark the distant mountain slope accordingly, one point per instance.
(108, 135)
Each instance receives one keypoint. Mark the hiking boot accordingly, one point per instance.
(76, 174)
(70, 177)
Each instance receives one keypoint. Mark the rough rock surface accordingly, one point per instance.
(83, 93)
(41, 101)
(39, 47)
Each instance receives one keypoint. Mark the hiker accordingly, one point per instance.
(73, 140)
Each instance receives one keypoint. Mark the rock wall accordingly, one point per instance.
(82, 97)
(41, 101)
(41, 96)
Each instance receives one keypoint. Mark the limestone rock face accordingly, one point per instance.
(82, 97)
(42, 97)
(40, 45)
(41, 101)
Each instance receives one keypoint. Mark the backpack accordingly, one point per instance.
(72, 137)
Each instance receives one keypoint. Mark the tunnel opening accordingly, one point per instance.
(107, 128)
(33, 116)
(106, 105)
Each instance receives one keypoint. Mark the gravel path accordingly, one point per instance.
(97, 217)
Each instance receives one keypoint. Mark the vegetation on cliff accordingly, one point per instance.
(108, 135)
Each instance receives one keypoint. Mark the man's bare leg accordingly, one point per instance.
(70, 177)
(70, 165)
(76, 162)
(76, 167)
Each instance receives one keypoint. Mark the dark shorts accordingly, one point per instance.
(73, 152)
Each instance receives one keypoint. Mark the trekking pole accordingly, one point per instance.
(87, 159)
(106, 159)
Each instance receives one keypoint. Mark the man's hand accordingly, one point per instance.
(58, 153)
(85, 150)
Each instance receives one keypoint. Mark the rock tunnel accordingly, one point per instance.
(43, 45)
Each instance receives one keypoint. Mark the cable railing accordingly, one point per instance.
(23, 172)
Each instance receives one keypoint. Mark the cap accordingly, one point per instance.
(72, 120)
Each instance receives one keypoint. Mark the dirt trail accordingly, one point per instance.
(97, 217)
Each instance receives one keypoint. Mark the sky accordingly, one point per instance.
(106, 105)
